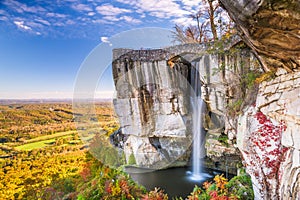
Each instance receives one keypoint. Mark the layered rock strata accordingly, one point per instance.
(268, 137)
(152, 105)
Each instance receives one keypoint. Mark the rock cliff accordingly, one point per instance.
(152, 105)
(271, 30)
(226, 89)
(153, 102)
(268, 137)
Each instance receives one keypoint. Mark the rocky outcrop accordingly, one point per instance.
(154, 88)
(221, 154)
(226, 88)
(270, 28)
(152, 105)
(268, 137)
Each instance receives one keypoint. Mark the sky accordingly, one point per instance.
(44, 44)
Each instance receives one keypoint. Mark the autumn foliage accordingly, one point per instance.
(239, 187)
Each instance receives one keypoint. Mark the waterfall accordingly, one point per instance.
(198, 144)
(198, 132)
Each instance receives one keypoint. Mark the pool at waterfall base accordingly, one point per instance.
(176, 182)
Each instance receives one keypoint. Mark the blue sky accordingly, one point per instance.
(44, 43)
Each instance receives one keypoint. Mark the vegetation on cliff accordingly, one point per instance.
(239, 187)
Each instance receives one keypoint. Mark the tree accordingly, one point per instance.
(211, 24)
(201, 27)
(187, 35)
(211, 12)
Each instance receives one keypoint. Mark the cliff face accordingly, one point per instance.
(154, 89)
(268, 137)
(262, 122)
(268, 132)
(225, 91)
(153, 107)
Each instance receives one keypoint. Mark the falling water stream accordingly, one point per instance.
(197, 138)
(198, 131)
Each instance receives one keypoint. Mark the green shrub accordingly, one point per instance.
(239, 187)
(131, 160)
(223, 139)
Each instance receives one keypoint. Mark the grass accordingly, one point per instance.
(47, 137)
(43, 141)
(48, 140)
(35, 145)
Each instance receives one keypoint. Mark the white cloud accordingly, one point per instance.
(111, 18)
(58, 15)
(45, 22)
(3, 18)
(2, 12)
(108, 9)
(81, 7)
(102, 21)
(33, 9)
(45, 17)
(183, 21)
(177, 11)
(91, 13)
(83, 19)
(21, 25)
(131, 20)
(129, 2)
(105, 40)
(34, 24)
(21, 7)
(111, 14)
(189, 4)
(70, 22)
(58, 24)
(161, 8)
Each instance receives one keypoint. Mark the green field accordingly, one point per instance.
(43, 141)
(35, 145)
(47, 137)
(42, 155)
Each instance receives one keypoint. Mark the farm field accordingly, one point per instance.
(41, 154)
(44, 141)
